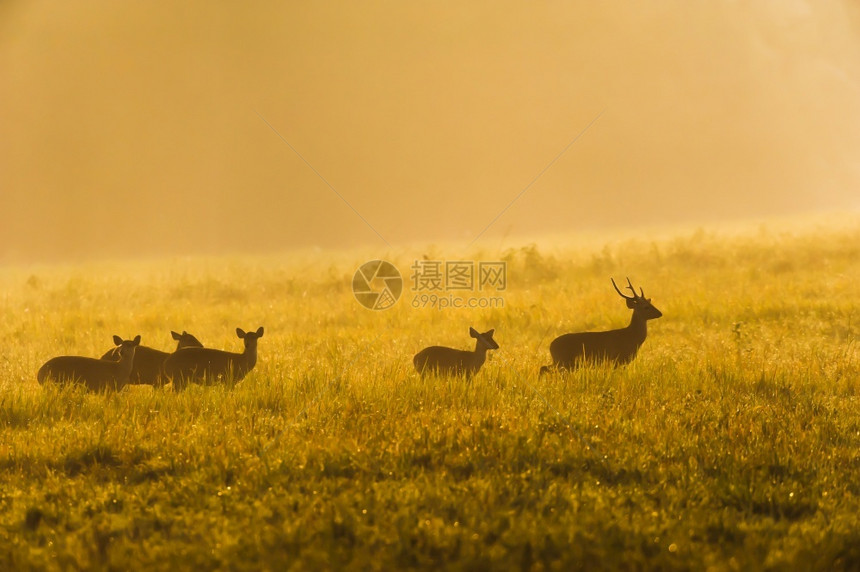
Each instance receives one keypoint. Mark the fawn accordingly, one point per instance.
(207, 365)
(95, 374)
(448, 361)
(149, 363)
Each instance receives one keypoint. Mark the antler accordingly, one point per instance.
(632, 289)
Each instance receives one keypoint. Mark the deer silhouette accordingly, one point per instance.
(95, 374)
(149, 363)
(448, 361)
(207, 365)
(617, 347)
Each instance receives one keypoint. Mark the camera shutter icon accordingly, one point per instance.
(377, 285)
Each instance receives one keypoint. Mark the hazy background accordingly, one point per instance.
(134, 128)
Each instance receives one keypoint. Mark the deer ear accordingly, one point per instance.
(117, 341)
(490, 332)
(137, 340)
(240, 332)
(260, 332)
(473, 332)
(175, 335)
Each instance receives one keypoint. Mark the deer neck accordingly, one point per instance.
(126, 361)
(480, 352)
(249, 356)
(639, 327)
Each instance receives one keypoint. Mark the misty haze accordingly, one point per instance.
(161, 126)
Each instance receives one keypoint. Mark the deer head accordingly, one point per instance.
(638, 302)
(485, 339)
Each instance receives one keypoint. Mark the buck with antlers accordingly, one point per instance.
(617, 347)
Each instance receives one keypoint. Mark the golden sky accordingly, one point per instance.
(149, 128)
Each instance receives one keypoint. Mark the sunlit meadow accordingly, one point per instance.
(731, 442)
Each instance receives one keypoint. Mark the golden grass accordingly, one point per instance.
(732, 441)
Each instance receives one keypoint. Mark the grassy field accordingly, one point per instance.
(731, 443)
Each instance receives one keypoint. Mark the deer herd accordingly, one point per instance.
(129, 363)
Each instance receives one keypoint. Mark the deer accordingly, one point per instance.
(149, 363)
(449, 361)
(207, 365)
(617, 347)
(95, 374)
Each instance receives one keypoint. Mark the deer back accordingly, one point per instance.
(447, 361)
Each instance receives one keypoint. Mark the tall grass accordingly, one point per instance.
(731, 442)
